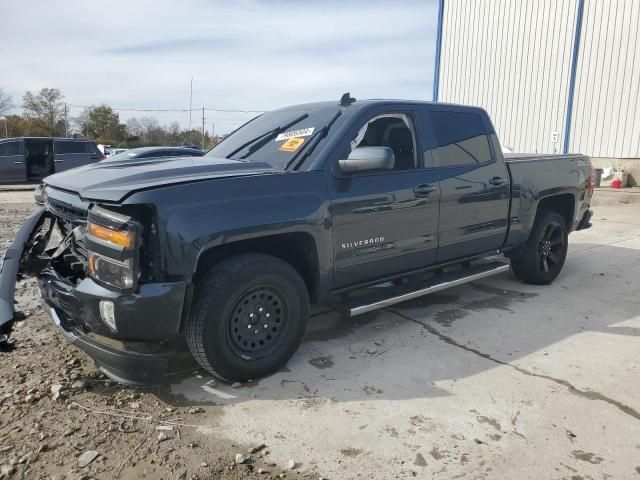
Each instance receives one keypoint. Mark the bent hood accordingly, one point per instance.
(113, 181)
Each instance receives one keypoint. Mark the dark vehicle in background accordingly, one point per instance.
(155, 152)
(307, 204)
(32, 159)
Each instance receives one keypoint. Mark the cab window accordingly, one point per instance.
(393, 130)
(461, 138)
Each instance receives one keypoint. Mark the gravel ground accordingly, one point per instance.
(62, 419)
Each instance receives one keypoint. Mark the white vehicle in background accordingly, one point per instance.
(115, 151)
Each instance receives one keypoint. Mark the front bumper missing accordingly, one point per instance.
(147, 321)
(10, 267)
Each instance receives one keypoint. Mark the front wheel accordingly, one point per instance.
(248, 316)
(545, 251)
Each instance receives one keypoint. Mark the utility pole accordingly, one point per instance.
(213, 134)
(203, 127)
(66, 122)
(190, 108)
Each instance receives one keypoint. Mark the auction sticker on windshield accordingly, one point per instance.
(291, 145)
(303, 132)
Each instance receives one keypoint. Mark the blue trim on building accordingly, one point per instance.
(572, 78)
(436, 70)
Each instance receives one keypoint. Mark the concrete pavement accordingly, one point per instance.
(496, 379)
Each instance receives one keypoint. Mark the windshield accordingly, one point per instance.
(126, 155)
(250, 143)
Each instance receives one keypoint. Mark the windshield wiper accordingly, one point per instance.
(313, 142)
(265, 138)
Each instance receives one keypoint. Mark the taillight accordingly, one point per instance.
(101, 157)
(592, 182)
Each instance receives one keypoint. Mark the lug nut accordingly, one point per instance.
(266, 326)
(261, 309)
(256, 332)
(267, 315)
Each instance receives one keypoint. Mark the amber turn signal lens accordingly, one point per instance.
(119, 237)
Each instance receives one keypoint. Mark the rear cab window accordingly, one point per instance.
(460, 138)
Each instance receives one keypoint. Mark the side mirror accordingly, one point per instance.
(368, 158)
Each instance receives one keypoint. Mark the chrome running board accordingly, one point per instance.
(376, 299)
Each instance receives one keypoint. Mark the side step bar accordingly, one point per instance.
(375, 300)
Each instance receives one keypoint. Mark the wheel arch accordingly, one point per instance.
(298, 249)
(563, 203)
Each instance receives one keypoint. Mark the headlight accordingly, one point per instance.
(107, 270)
(113, 241)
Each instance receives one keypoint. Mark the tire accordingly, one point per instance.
(544, 253)
(249, 290)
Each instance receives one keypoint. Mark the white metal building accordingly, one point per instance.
(555, 75)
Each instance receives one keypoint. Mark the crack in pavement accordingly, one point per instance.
(588, 394)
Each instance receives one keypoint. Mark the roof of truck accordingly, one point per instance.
(378, 101)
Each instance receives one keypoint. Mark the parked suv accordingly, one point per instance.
(32, 159)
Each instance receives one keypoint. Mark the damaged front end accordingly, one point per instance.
(93, 270)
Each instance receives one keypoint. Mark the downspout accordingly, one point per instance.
(436, 70)
(572, 77)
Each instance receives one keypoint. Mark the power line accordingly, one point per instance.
(170, 109)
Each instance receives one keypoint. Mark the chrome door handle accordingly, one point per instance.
(18, 163)
(497, 181)
(423, 190)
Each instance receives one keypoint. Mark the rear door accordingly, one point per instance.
(474, 185)
(13, 167)
(73, 153)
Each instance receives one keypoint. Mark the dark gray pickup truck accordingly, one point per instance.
(302, 205)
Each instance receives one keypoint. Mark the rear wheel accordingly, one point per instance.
(248, 317)
(545, 251)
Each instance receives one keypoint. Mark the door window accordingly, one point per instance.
(390, 130)
(461, 138)
(70, 147)
(10, 148)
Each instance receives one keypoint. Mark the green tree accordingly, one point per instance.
(46, 106)
(102, 124)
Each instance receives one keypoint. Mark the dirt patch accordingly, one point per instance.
(350, 452)
(322, 362)
(586, 456)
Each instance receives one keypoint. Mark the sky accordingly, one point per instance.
(242, 55)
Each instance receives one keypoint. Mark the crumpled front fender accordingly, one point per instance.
(13, 263)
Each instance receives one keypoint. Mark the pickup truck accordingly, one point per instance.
(302, 205)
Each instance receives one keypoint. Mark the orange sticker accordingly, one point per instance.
(291, 145)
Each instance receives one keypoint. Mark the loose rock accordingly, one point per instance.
(236, 385)
(240, 459)
(86, 458)
(162, 437)
(291, 464)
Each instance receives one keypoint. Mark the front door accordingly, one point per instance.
(12, 164)
(384, 222)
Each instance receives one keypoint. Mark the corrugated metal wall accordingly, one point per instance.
(605, 120)
(514, 57)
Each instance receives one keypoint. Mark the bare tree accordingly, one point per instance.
(174, 133)
(47, 106)
(6, 103)
(134, 129)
